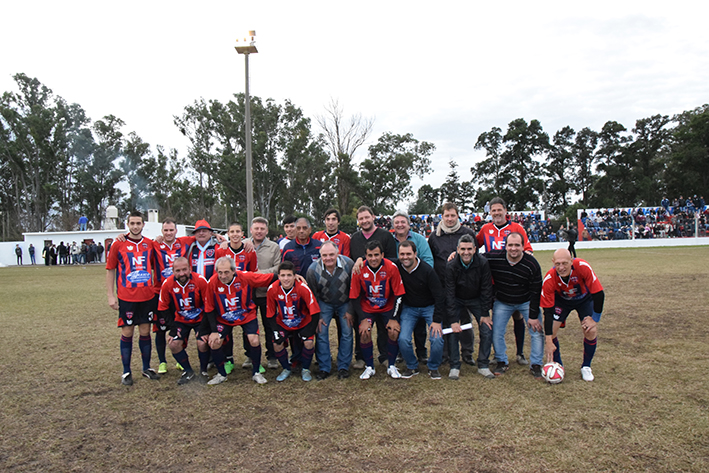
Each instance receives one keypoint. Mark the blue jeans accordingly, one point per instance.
(463, 307)
(409, 318)
(501, 313)
(322, 348)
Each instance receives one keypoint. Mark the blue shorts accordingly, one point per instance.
(136, 313)
(563, 307)
(181, 331)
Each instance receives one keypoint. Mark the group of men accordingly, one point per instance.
(398, 284)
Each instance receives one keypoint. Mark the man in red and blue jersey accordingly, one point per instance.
(492, 237)
(230, 291)
(333, 233)
(292, 311)
(183, 304)
(130, 268)
(377, 288)
(571, 285)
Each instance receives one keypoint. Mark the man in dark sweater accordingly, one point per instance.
(424, 300)
(518, 287)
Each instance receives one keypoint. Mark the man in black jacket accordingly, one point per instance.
(469, 289)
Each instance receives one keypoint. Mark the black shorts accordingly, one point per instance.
(563, 307)
(306, 333)
(250, 328)
(136, 313)
(381, 317)
(180, 331)
(160, 324)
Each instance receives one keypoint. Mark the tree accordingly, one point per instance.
(342, 139)
(386, 175)
(455, 191)
(649, 150)
(558, 171)
(687, 172)
(614, 186)
(427, 201)
(584, 160)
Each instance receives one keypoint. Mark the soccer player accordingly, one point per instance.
(230, 292)
(377, 289)
(571, 285)
(492, 237)
(303, 250)
(469, 289)
(292, 312)
(289, 230)
(183, 304)
(333, 233)
(424, 300)
(136, 302)
(517, 285)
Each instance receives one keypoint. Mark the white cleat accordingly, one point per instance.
(218, 379)
(259, 379)
(587, 374)
(394, 372)
(368, 373)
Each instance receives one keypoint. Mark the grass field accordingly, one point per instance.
(62, 407)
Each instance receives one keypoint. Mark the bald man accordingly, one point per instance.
(571, 285)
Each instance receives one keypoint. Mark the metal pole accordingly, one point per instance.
(249, 173)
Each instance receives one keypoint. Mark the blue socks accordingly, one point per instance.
(126, 352)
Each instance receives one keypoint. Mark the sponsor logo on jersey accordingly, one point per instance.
(137, 277)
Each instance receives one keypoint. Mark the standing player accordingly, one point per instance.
(571, 285)
(289, 230)
(292, 312)
(132, 262)
(492, 237)
(230, 292)
(333, 233)
(377, 289)
(303, 250)
(183, 304)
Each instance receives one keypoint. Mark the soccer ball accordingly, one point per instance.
(553, 373)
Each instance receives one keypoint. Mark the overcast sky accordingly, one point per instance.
(444, 71)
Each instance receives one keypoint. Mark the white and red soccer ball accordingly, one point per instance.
(553, 373)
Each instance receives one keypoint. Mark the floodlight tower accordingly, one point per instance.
(248, 47)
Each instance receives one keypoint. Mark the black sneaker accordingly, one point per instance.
(343, 374)
(151, 374)
(127, 379)
(408, 373)
(536, 371)
(399, 358)
(468, 360)
(501, 368)
(322, 375)
(186, 377)
(434, 374)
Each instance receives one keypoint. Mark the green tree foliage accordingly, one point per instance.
(453, 190)
(558, 171)
(385, 177)
(687, 170)
(427, 201)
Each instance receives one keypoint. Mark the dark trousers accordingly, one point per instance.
(464, 308)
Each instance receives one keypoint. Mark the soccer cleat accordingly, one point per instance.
(486, 373)
(536, 371)
(218, 379)
(368, 373)
(258, 378)
(261, 369)
(151, 374)
(343, 374)
(305, 375)
(162, 368)
(521, 360)
(501, 368)
(272, 364)
(127, 379)
(186, 377)
(229, 367)
(587, 374)
(179, 367)
(399, 358)
(408, 373)
(454, 373)
(283, 376)
(203, 377)
(393, 372)
(322, 375)
(468, 360)
(434, 374)
(247, 365)
(358, 364)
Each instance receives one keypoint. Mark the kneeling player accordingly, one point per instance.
(230, 291)
(571, 285)
(183, 304)
(292, 312)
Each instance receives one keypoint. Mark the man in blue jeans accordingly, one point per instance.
(518, 287)
(424, 300)
(329, 278)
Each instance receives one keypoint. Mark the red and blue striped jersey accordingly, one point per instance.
(244, 261)
(292, 309)
(233, 302)
(133, 262)
(492, 238)
(341, 239)
(165, 255)
(581, 284)
(189, 302)
(379, 289)
(202, 261)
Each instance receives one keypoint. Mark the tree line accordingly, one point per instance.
(56, 164)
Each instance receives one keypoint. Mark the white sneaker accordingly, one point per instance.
(247, 364)
(393, 371)
(368, 373)
(587, 374)
(454, 373)
(486, 373)
(218, 379)
(259, 379)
